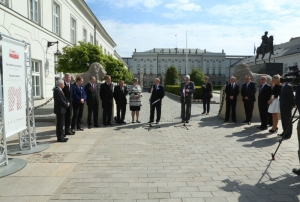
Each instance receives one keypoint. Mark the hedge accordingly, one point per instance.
(176, 90)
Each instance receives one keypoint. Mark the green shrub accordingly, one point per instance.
(176, 91)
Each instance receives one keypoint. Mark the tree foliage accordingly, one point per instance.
(171, 77)
(77, 59)
(197, 77)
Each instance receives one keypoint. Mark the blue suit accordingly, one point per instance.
(78, 94)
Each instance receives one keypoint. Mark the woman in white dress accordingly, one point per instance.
(274, 105)
(135, 100)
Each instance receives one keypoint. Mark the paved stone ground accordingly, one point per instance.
(211, 161)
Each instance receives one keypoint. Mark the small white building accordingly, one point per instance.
(41, 21)
(153, 63)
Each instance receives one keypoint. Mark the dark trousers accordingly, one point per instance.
(285, 116)
(60, 122)
(230, 104)
(263, 113)
(298, 132)
(185, 110)
(156, 106)
(77, 115)
(68, 119)
(93, 109)
(206, 104)
(248, 105)
(107, 110)
(121, 111)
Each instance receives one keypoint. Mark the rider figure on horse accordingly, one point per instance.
(264, 42)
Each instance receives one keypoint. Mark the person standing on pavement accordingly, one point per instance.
(264, 96)
(207, 95)
(231, 91)
(92, 102)
(106, 95)
(135, 100)
(248, 93)
(60, 107)
(297, 170)
(287, 102)
(79, 97)
(68, 90)
(187, 89)
(157, 94)
(274, 105)
(120, 93)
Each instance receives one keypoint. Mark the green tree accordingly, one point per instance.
(171, 77)
(77, 59)
(197, 77)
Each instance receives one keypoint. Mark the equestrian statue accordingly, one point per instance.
(265, 47)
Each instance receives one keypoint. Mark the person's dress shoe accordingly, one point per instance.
(203, 112)
(69, 133)
(62, 140)
(157, 122)
(89, 127)
(249, 122)
(263, 128)
(123, 122)
(225, 120)
(80, 129)
(296, 171)
(245, 121)
(280, 134)
(109, 123)
(96, 126)
(273, 131)
(187, 121)
(234, 121)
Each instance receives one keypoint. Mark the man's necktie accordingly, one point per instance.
(231, 86)
(93, 87)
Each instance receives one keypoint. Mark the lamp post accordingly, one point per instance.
(56, 54)
(142, 78)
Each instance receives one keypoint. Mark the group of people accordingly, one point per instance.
(272, 99)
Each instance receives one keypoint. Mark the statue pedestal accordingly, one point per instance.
(240, 111)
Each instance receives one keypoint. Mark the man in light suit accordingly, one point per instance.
(287, 102)
(231, 91)
(187, 89)
(60, 107)
(92, 102)
(264, 96)
(157, 94)
(248, 93)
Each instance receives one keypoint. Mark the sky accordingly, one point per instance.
(232, 25)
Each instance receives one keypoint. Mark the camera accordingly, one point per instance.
(295, 73)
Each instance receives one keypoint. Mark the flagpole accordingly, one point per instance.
(186, 56)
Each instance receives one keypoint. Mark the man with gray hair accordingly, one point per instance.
(60, 105)
(187, 89)
(68, 91)
(157, 94)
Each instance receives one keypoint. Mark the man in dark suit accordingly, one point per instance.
(106, 95)
(120, 93)
(68, 89)
(157, 94)
(231, 91)
(248, 93)
(187, 89)
(297, 170)
(60, 105)
(92, 102)
(287, 102)
(265, 92)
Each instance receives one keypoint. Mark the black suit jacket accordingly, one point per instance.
(232, 92)
(119, 96)
(264, 95)
(91, 95)
(106, 94)
(249, 92)
(68, 92)
(188, 96)
(287, 100)
(157, 94)
(60, 101)
(206, 92)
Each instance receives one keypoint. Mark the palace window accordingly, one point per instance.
(214, 71)
(91, 39)
(36, 78)
(219, 83)
(220, 71)
(56, 18)
(34, 10)
(213, 83)
(84, 35)
(207, 71)
(97, 42)
(73, 31)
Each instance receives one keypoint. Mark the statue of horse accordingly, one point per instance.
(269, 49)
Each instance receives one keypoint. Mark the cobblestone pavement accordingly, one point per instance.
(211, 161)
(171, 109)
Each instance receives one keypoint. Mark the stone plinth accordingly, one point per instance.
(240, 112)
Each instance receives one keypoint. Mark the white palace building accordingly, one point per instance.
(153, 63)
(39, 22)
